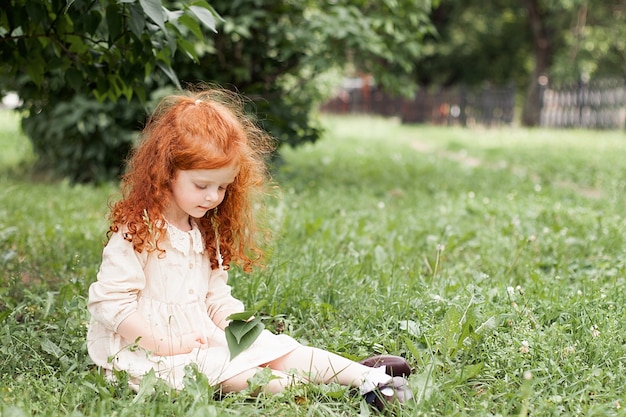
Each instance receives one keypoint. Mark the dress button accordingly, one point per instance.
(190, 291)
(190, 266)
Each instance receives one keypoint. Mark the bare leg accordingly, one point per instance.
(240, 382)
(321, 366)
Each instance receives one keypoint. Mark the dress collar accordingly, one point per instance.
(184, 242)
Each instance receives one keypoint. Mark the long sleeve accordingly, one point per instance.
(113, 297)
(220, 303)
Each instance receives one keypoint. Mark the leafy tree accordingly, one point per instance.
(279, 52)
(276, 52)
(84, 68)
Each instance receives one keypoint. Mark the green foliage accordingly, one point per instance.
(242, 331)
(595, 44)
(279, 54)
(85, 71)
(83, 138)
(101, 48)
(493, 39)
(505, 41)
(98, 65)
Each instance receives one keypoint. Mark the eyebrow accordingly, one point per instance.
(212, 181)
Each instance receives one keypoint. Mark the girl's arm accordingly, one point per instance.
(113, 301)
(135, 327)
(113, 297)
(219, 301)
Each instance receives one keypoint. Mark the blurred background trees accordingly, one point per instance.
(504, 41)
(88, 72)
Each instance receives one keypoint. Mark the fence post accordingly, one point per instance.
(542, 82)
(463, 105)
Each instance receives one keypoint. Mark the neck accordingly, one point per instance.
(182, 222)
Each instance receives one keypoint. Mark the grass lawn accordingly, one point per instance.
(492, 259)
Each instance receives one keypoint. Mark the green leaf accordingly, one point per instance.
(205, 16)
(170, 73)
(240, 334)
(470, 371)
(154, 10)
(114, 22)
(243, 316)
(136, 22)
(36, 68)
(191, 24)
(240, 328)
(52, 348)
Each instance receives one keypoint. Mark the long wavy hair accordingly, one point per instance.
(205, 129)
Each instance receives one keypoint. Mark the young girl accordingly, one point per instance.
(161, 299)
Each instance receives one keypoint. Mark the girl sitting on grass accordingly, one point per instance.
(161, 300)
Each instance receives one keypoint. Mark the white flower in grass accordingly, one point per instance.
(510, 291)
(568, 350)
(617, 404)
(525, 348)
(594, 330)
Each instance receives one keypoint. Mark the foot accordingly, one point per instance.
(396, 391)
(394, 365)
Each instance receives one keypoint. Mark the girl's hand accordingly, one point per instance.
(190, 341)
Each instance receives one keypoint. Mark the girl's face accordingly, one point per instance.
(196, 191)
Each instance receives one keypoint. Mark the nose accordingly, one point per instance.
(212, 194)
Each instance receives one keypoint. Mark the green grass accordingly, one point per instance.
(493, 260)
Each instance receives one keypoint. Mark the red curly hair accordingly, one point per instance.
(204, 129)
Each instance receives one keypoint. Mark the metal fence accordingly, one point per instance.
(464, 106)
(599, 104)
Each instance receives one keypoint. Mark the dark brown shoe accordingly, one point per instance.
(396, 391)
(394, 365)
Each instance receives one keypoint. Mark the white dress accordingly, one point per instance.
(176, 292)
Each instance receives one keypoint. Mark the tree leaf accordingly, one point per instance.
(170, 73)
(191, 24)
(243, 316)
(205, 16)
(136, 22)
(241, 334)
(154, 10)
(239, 328)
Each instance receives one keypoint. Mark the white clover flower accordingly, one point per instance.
(568, 350)
(525, 348)
(510, 291)
(594, 330)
